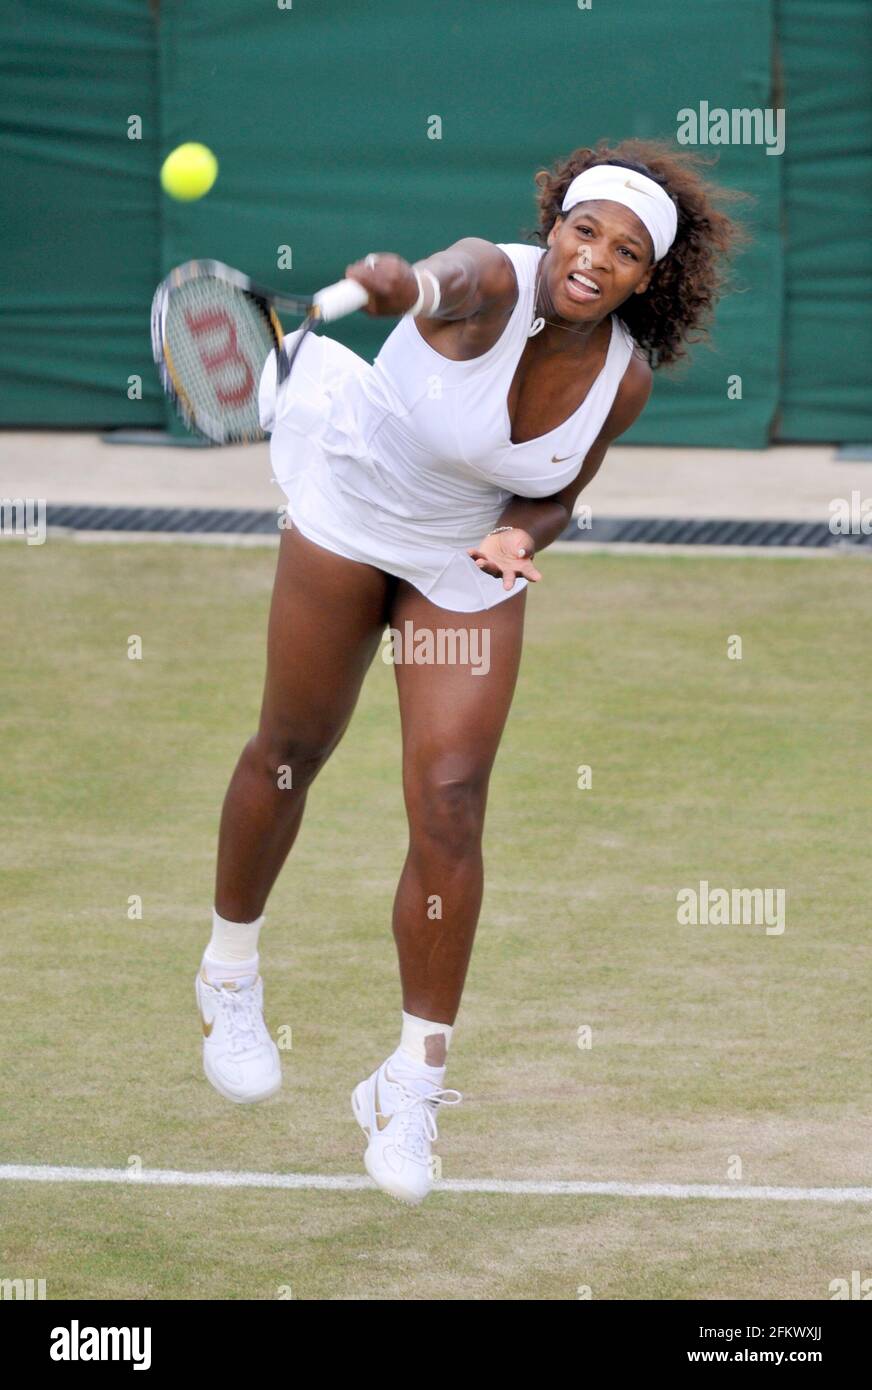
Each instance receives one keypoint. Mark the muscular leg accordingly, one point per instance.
(452, 722)
(326, 620)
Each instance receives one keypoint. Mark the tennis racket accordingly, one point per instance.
(211, 331)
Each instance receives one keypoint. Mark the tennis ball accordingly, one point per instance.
(189, 172)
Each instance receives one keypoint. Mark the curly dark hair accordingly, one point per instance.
(691, 277)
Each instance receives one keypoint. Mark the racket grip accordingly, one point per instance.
(340, 299)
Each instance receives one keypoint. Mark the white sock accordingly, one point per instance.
(232, 950)
(232, 941)
(413, 1041)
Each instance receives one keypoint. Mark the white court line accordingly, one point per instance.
(169, 1177)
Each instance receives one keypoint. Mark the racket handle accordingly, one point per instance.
(340, 299)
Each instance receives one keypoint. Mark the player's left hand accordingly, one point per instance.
(507, 554)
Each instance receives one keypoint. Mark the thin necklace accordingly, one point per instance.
(538, 321)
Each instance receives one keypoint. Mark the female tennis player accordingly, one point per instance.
(421, 489)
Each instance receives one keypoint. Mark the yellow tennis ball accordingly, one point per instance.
(189, 172)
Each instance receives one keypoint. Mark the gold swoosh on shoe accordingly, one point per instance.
(382, 1121)
(207, 1027)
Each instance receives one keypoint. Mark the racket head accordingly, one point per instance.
(211, 332)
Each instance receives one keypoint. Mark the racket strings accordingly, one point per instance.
(216, 339)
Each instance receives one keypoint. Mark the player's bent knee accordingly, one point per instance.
(293, 758)
(449, 810)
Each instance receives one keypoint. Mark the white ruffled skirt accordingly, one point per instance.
(322, 464)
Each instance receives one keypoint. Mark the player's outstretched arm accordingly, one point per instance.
(470, 277)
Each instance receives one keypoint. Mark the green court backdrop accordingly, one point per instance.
(80, 212)
(321, 115)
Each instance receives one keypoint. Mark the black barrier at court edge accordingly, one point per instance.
(810, 535)
(650, 1336)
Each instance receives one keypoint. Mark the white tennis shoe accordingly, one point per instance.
(397, 1112)
(239, 1056)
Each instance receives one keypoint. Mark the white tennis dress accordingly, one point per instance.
(407, 462)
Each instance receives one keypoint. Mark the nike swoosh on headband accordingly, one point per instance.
(636, 189)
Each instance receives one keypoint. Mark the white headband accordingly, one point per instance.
(651, 203)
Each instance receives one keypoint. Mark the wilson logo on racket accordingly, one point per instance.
(211, 321)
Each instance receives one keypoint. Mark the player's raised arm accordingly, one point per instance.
(465, 279)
